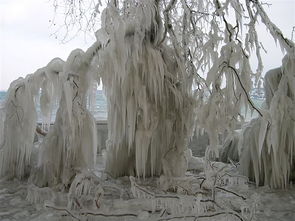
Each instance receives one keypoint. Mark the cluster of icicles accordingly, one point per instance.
(267, 143)
(150, 101)
(265, 146)
(70, 143)
(150, 107)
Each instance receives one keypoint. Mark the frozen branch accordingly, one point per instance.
(196, 217)
(167, 24)
(244, 89)
(63, 209)
(275, 31)
(86, 213)
(229, 191)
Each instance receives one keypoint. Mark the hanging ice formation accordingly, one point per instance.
(17, 137)
(50, 89)
(271, 82)
(19, 119)
(71, 143)
(267, 144)
(150, 104)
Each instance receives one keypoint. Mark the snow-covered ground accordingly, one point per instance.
(118, 203)
(275, 205)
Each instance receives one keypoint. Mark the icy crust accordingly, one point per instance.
(150, 103)
(14, 206)
(85, 192)
(217, 194)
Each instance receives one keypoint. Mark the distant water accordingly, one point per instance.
(258, 102)
(99, 112)
(2, 96)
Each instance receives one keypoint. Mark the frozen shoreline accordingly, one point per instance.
(275, 205)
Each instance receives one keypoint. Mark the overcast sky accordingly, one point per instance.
(26, 41)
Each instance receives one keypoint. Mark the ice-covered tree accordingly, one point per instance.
(210, 41)
(19, 125)
(167, 65)
(71, 143)
(150, 103)
(19, 118)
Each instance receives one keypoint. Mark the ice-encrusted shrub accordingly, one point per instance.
(85, 192)
(267, 143)
(150, 102)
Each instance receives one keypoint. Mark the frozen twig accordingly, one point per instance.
(63, 209)
(86, 213)
(167, 18)
(197, 217)
(276, 32)
(229, 191)
(92, 213)
(244, 89)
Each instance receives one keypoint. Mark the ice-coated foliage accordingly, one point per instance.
(151, 58)
(19, 117)
(173, 204)
(272, 79)
(165, 65)
(267, 145)
(50, 89)
(212, 41)
(85, 191)
(71, 143)
(229, 152)
(188, 196)
(150, 103)
(17, 137)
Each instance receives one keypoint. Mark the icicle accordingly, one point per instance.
(51, 89)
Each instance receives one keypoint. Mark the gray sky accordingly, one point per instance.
(26, 41)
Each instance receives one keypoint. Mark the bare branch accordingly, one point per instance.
(242, 86)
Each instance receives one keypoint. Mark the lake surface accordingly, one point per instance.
(2, 95)
(100, 110)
